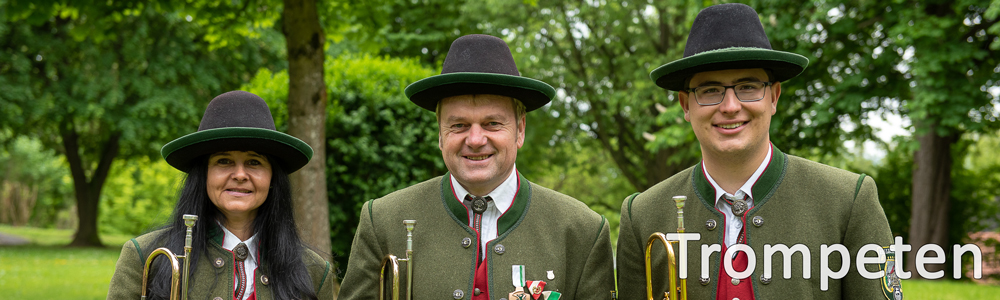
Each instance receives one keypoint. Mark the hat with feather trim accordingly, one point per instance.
(237, 121)
(479, 64)
(723, 37)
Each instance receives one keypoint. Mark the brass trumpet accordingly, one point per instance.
(174, 262)
(392, 261)
(681, 292)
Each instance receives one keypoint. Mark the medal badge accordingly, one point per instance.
(891, 287)
(530, 289)
(535, 288)
(518, 294)
(517, 279)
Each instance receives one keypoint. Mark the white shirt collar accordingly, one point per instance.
(747, 188)
(229, 241)
(503, 195)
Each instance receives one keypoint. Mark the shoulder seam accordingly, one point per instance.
(599, 229)
(857, 188)
(326, 272)
(371, 215)
(630, 199)
(138, 250)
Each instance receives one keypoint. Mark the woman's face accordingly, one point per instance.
(238, 183)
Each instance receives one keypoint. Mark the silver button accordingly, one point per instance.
(219, 262)
(736, 281)
(704, 280)
(710, 224)
(458, 294)
(765, 280)
(498, 249)
(476, 292)
(466, 242)
(217, 298)
(264, 280)
(758, 220)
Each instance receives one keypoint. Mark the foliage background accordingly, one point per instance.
(609, 132)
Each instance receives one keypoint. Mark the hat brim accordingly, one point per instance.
(783, 65)
(428, 91)
(291, 152)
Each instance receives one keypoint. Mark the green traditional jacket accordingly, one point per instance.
(213, 279)
(797, 201)
(547, 232)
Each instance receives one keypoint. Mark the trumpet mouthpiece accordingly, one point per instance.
(190, 219)
(679, 200)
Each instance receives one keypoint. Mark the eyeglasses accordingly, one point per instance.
(745, 92)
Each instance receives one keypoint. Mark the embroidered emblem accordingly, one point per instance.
(891, 287)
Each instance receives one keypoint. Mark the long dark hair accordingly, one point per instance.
(278, 241)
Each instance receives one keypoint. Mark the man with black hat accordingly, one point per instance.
(746, 194)
(482, 231)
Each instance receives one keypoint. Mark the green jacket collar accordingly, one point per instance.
(762, 189)
(507, 220)
(215, 233)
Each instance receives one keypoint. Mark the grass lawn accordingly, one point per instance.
(45, 269)
(947, 290)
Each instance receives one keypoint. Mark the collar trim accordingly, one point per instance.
(507, 220)
(762, 190)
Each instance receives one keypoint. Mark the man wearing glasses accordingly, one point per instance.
(785, 218)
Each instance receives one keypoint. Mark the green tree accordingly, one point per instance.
(422, 29)
(139, 195)
(377, 141)
(307, 92)
(31, 186)
(931, 61)
(98, 81)
(598, 54)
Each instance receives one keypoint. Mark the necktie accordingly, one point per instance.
(479, 205)
(242, 252)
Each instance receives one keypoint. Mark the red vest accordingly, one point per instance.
(728, 291)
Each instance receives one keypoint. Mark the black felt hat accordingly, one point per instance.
(727, 36)
(239, 121)
(479, 64)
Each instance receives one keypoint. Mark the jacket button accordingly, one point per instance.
(765, 280)
(703, 280)
(498, 249)
(264, 280)
(710, 224)
(458, 294)
(466, 242)
(219, 262)
(758, 220)
(217, 298)
(476, 292)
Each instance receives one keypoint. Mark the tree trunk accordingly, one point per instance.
(930, 202)
(304, 39)
(88, 192)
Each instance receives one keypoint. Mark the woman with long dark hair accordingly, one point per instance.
(245, 244)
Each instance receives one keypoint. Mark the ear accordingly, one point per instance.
(440, 138)
(682, 99)
(775, 92)
(520, 131)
